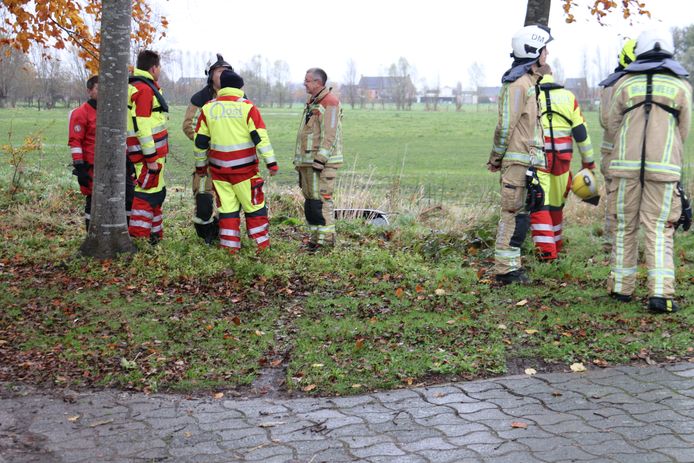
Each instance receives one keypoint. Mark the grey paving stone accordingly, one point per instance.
(385, 449)
(477, 437)
(680, 455)
(399, 459)
(461, 429)
(565, 454)
(431, 443)
(450, 456)
(663, 442)
(357, 442)
(502, 448)
(515, 457)
(270, 453)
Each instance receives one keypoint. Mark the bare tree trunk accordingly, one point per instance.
(537, 12)
(108, 230)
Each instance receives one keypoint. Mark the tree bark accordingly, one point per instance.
(537, 12)
(108, 230)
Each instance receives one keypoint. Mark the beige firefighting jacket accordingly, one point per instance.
(665, 134)
(607, 144)
(320, 132)
(518, 138)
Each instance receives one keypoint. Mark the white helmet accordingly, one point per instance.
(528, 42)
(657, 39)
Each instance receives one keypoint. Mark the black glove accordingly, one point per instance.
(535, 198)
(81, 170)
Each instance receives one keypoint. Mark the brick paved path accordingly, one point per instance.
(624, 414)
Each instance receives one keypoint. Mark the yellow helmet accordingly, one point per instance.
(585, 187)
(627, 55)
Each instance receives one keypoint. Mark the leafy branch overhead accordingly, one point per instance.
(56, 23)
(601, 8)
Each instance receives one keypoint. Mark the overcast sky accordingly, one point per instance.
(441, 39)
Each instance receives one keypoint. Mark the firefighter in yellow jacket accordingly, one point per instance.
(650, 116)
(147, 146)
(230, 135)
(626, 57)
(563, 123)
(317, 157)
(517, 145)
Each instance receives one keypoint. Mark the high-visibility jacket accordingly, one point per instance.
(669, 122)
(518, 133)
(147, 135)
(320, 132)
(607, 145)
(147, 139)
(230, 134)
(562, 122)
(82, 132)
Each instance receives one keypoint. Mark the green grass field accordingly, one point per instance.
(442, 152)
(409, 304)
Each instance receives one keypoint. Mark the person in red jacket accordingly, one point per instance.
(81, 140)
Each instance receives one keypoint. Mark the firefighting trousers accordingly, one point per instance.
(231, 198)
(655, 207)
(146, 215)
(129, 197)
(608, 233)
(546, 224)
(513, 220)
(319, 208)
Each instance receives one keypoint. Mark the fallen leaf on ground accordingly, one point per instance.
(440, 291)
(577, 367)
(73, 418)
(501, 326)
(218, 395)
(519, 425)
(530, 371)
(531, 331)
(521, 303)
(309, 388)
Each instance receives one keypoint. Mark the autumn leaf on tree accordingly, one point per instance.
(53, 24)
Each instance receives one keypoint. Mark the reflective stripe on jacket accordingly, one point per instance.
(665, 134)
(518, 133)
(568, 124)
(320, 132)
(147, 135)
(223, 136)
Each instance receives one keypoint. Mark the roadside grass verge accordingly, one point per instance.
(390, 307)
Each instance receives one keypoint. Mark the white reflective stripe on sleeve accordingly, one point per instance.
(259, 229)
(156, 218)
(543, 239)
(265, 149)
(262, 239)
(134, 148)
(557, 228)
(161, 143)
(146, 139)
(143, 213)
(270, 160)
(557, 238)
(158, 228)
(75, 149)
(230, 244)
(140, 223)
(228, 232)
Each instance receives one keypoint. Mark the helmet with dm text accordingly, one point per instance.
(529, 41)
(657, 39)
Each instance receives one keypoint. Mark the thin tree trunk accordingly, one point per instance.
(537, 12)
(108, 230)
